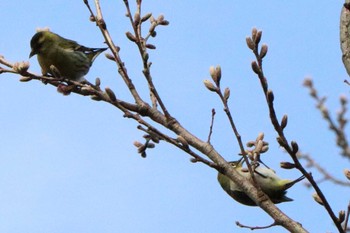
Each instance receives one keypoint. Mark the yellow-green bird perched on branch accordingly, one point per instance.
(71, 59)
(269, 182)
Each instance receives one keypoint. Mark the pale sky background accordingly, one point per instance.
(68, 164)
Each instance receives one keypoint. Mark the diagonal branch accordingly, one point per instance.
(253, 44)
(115, 50)
(141, 44)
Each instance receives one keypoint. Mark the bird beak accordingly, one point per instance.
(32, 53)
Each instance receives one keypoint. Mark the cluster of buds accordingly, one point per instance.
(309, 84)
(155, 22)
(21, 67)
(150, 136)
(215, 74)
(253, 42)
(141, 148)
(295, 148)
(138, 20)
(258, 147)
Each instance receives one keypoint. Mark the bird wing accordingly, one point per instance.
(73, 46)
(67, 44)
(91, 53)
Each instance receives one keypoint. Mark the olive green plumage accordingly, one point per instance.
(269, 182)
(72, 60)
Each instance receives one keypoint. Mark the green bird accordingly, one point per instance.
(72, 60)
(269, 182)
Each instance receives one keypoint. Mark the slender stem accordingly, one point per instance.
(323, 171)
(347, 218)
(115, 51)
(284, 140)
(146, 65)
(211, 124)
(237, 135)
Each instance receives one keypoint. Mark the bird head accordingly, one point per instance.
(42, 40)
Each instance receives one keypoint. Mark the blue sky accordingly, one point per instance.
(68, 164)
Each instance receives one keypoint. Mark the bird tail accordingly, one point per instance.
(290, 184)
(91, 53)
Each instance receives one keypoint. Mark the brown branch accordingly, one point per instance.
(253, 44)
(178, 143)
(215, 73)
(257, 227)
(211, 124)
(142, 46)
(346, 221)
(115, 51)
(338, 130)
(280, 218)
(326, 175)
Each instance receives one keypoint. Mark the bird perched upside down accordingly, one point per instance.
(72, 60)
(269, 182)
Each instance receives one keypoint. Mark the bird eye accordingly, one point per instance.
(37, 41)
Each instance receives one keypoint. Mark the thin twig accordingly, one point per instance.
(211, 124)
(196, 157)
(346, 222)
(257, 227)
(144, 56)
(326, 175)
(115, 51)
(235, 130)
(339, 130)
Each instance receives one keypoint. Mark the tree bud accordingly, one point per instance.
(130, 36)
(270, 96)
(250, 43)
(209, 85)
(263, 51)
(254, 32)
(341, 216)
(347, 173)
(295, 146)
(284, 121)
(255, 67)
(110, 94)
(137, 19)
(146, 17)
(97, 82)
(226, 93)
(287, 165)
(110, 56)
(25, 79)
(258, 37)
(150, 46)
(260, 136)
(317, 199)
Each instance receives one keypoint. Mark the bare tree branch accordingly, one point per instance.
(292, 150)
